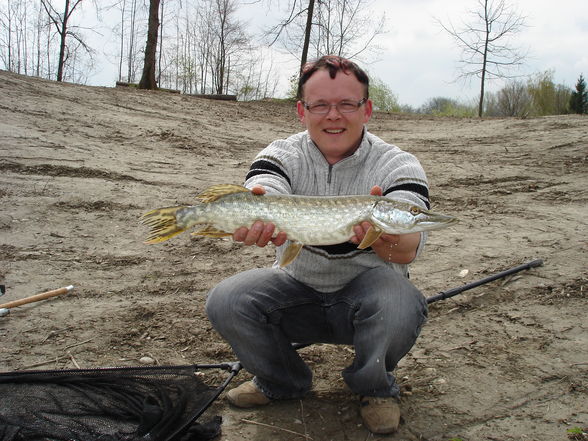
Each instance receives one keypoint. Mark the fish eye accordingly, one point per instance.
(415, 210)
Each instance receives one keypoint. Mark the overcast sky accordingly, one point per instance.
(418, 60)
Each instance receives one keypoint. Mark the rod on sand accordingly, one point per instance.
(455, 291)
(42, 296)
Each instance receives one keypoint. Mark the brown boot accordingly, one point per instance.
(380, 414)
(247, 395)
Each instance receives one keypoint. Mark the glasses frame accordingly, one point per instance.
(359, 103)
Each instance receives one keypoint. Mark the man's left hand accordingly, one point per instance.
(390, 247)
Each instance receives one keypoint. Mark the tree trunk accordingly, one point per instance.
(62, 34)
(122, 40)
(484, 60)
(160, 44)
(307, 34)
(131, 58)
(148, 77)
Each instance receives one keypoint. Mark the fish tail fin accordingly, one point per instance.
(163, 223)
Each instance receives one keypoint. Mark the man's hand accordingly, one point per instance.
(390, 247)
(260, 233)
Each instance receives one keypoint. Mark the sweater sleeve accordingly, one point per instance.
(273, 168)
(399, 173)
(406, 180)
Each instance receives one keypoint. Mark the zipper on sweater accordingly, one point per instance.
(329, 174)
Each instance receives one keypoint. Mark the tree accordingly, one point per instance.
(486, 50)
(382, 96)
(230, 37)
(61, 23)
(148, 77)
(337, 27)
(307, 32)
(548, 98)
(442, 106)
(13, 39)
(128, 32)
(297, 12)
(513, 99)
(579, 98)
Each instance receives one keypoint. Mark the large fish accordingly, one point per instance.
(307, 220)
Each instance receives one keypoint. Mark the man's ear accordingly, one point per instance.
(368, 110)
(300, 111)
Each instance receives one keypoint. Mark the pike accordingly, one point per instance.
(307, 220)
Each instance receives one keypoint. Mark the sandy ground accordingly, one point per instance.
(506, 361)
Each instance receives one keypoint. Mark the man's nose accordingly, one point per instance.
(333, 112)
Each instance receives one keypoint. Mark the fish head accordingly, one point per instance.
(400, 218)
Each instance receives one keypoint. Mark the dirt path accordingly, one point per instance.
(506, 361)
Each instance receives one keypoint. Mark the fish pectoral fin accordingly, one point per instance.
(215, 192)
(370, 237)
(210, 231)
(290, 254)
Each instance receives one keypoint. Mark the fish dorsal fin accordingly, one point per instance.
(215, 192)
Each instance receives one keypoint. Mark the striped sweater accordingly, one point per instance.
(296, 166)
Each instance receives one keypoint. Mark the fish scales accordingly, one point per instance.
(306, 219)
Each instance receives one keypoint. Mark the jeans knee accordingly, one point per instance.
(230, 308)
(217, 306)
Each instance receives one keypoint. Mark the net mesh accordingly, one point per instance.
(113, 404)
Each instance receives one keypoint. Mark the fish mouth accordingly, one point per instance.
(427, 220)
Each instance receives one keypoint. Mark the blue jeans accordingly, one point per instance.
(262, 311)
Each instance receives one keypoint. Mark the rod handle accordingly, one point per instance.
(37, 297)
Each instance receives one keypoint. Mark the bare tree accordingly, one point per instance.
(307, 33)
(122, 38)
(148, 77)
(487, 51)
(17, 36)
(297, 10)
(128, 32)
(61, 24)
(257, 79)
(132, 46)
(513, 99)
(7, 22)
(231, 41)
(222, 40)
(340, 27)
(206, 50)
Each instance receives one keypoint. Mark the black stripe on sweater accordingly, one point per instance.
(262, 167)
(419, 189)
(338, 249)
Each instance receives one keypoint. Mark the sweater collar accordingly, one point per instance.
(353, 159)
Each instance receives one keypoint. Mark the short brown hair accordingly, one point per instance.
(333, 64)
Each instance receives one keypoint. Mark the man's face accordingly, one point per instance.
(337, 135)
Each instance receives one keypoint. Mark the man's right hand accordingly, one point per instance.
(260, 233)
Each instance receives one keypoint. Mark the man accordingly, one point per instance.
(331, 294)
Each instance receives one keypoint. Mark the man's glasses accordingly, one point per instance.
(342, 107)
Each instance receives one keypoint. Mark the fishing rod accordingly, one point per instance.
(455, 291)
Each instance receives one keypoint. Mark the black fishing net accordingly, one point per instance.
(114, 404)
